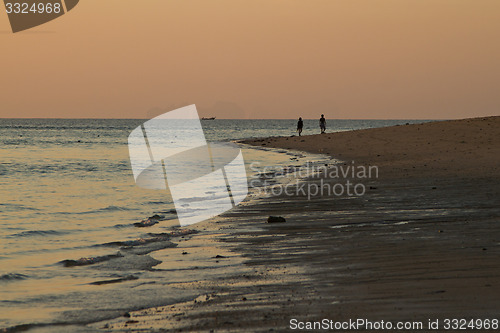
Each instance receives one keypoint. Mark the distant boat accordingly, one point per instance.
(208, 118)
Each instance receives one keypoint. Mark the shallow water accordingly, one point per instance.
(67, 192)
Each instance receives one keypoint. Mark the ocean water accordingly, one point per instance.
(67, 192)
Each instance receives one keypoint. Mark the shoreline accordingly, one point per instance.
(451, 148)
(421, 244)
(194, 256)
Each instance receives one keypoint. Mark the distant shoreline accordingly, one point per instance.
(445, 148)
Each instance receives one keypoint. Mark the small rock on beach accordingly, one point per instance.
(275, 219)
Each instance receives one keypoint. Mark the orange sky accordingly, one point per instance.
(257, 59)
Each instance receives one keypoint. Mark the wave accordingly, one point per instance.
(153, 238)
(129, 250)
(111, 208)
(121, 226)
(103, 282)
(152, 220)
(89, 260)
(170, 211)
(13, 277)
(30, 233)
(16, 207)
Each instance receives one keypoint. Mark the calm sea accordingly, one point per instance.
(67, 192)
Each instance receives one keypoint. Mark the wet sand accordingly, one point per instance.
(422, 243)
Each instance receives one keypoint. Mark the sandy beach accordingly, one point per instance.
(422, 244)
(457, 148)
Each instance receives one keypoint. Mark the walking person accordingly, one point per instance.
(300, 125)
(322, 123)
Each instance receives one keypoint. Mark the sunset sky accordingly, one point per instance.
(412, 59)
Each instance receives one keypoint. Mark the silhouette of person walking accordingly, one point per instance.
(322, 123)
(300, 124)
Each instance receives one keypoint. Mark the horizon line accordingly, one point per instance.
(58, 118)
